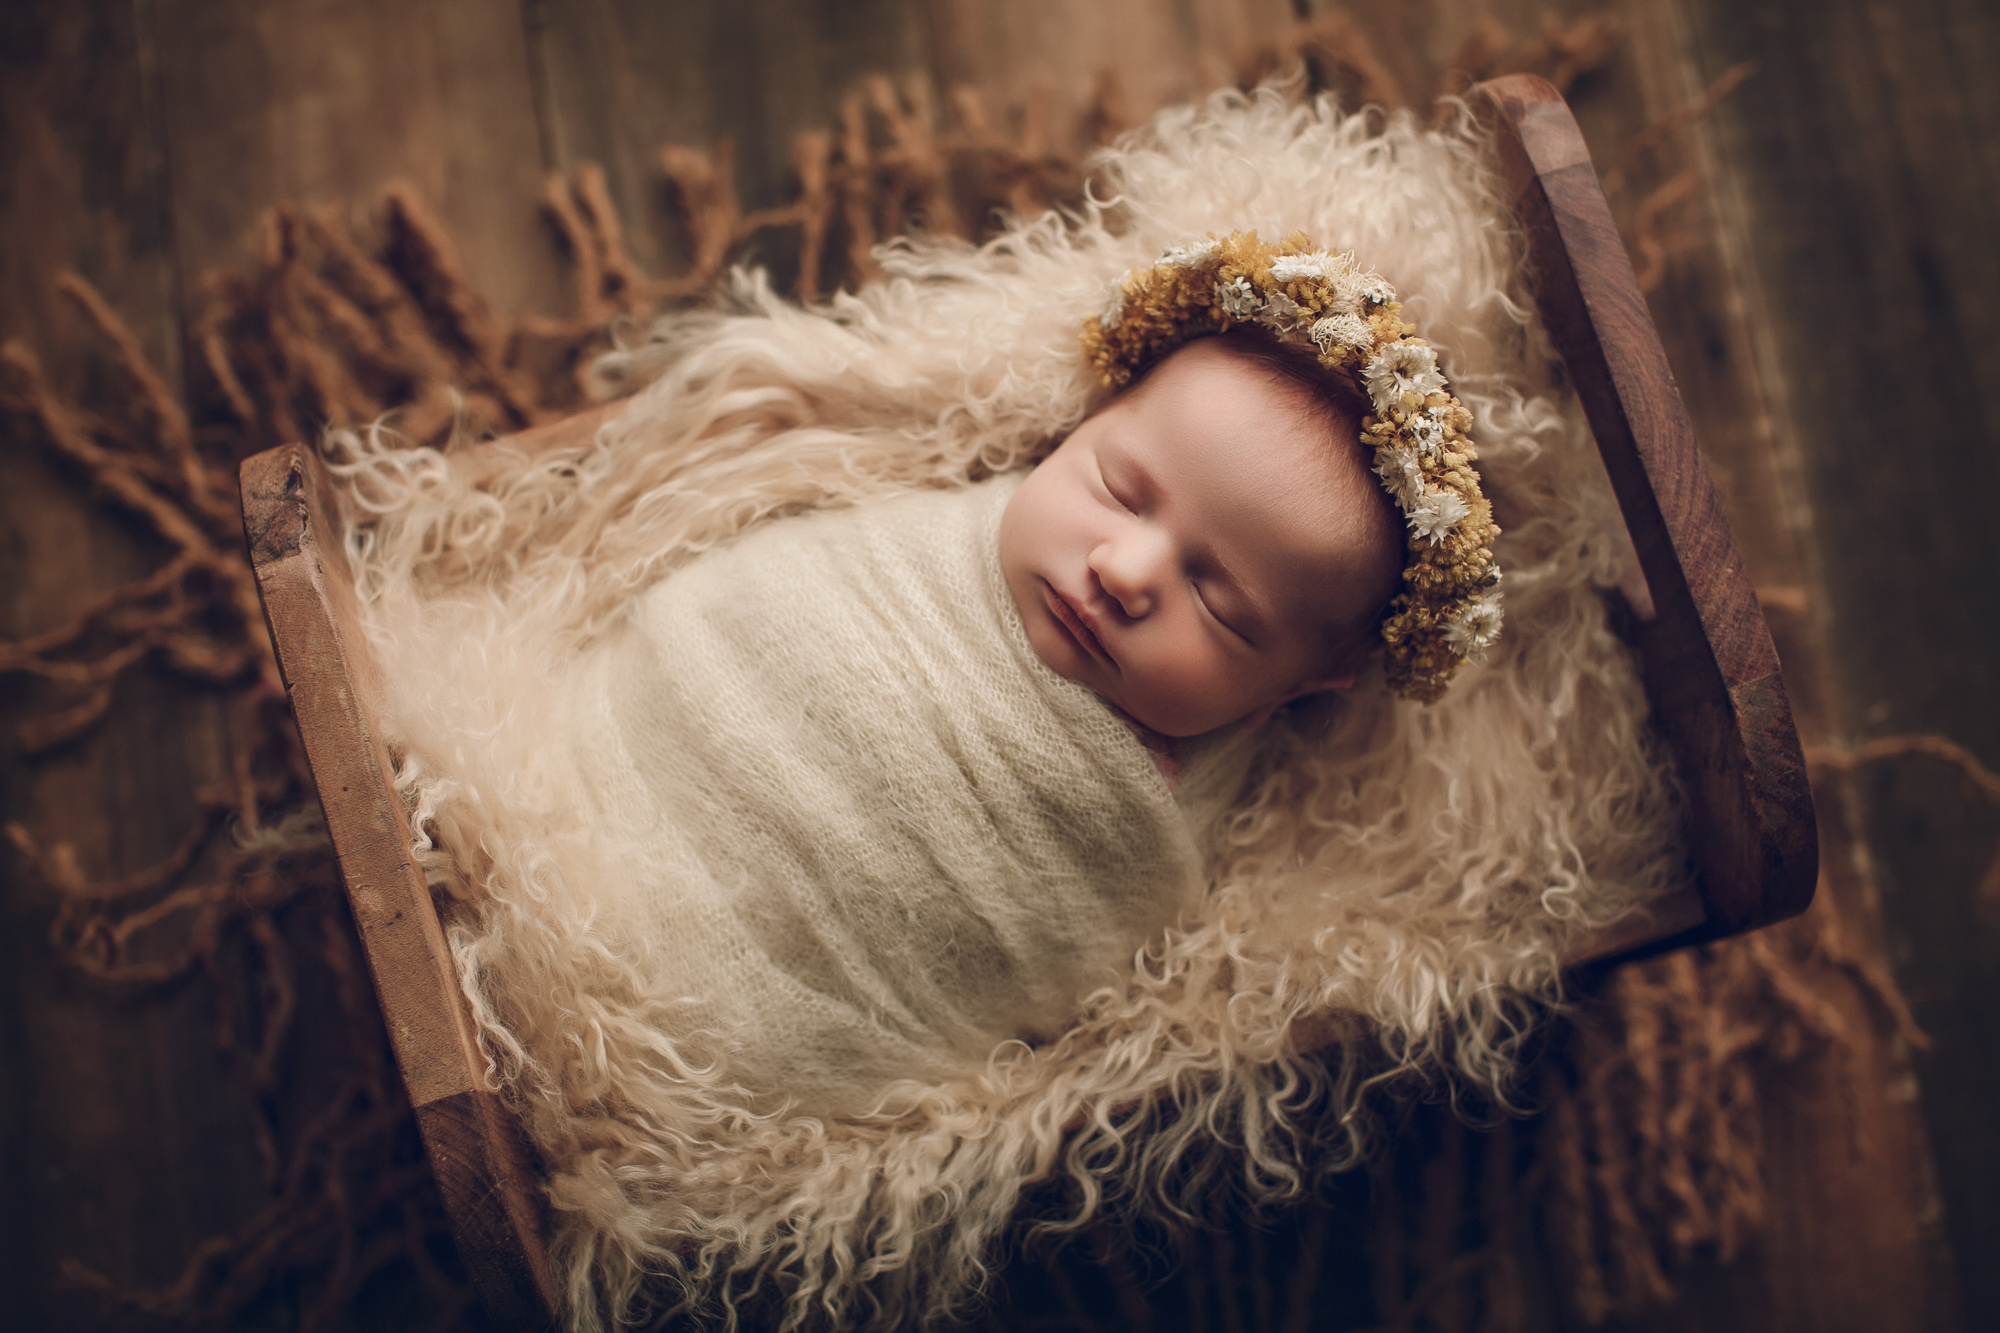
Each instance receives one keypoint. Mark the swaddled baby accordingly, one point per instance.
(907, 781)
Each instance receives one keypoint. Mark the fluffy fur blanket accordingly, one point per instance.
(1392, 885)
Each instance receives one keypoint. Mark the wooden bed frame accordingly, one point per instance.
(1709, 666)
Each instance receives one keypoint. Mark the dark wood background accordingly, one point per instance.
(1825, 279)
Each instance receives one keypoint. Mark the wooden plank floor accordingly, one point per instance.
(1866, 172)
(121, 1122)
(1827, 296)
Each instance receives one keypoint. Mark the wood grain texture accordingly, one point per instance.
(474, 1144)
(1865, 159)
(322, 102)
(1055, 53)
(492, 1191)
(1710, 668)
(617, 80)
(125, 1133)
(1854, 1237)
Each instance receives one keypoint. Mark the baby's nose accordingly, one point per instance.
(1129, 570)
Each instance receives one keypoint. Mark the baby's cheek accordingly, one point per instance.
(1188, 679)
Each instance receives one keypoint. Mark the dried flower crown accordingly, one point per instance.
(1449, 608)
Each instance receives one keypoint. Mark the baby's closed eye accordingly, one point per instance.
(1120, 497)
(1214, 602)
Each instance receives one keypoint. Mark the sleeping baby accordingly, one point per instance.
(915, 753)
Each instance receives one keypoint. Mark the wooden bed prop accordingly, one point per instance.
(1709, 666)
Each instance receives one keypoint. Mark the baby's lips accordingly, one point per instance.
(1080, 624)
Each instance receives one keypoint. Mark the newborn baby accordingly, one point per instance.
(854, 763)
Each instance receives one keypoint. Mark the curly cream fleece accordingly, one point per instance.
(1395, 883)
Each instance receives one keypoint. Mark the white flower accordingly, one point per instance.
(1281, 312)
(1317, 264)
(1237, 298)
(1429, 433)
(1374, 289)
(1342, 331)
(1476, 628)
(1402, 473)
(1400, 368)
(1189, 256)
(1436, 513)
(1114, 307)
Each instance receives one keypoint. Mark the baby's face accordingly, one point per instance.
(1194, 551)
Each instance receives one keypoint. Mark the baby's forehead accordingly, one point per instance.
(1217, 418)
(1274, 473)
(1241, 384)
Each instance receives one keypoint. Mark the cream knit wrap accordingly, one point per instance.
(879, 836)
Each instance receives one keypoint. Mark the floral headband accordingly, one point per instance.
(1449, 608)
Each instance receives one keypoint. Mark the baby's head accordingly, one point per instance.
(1209, 544)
